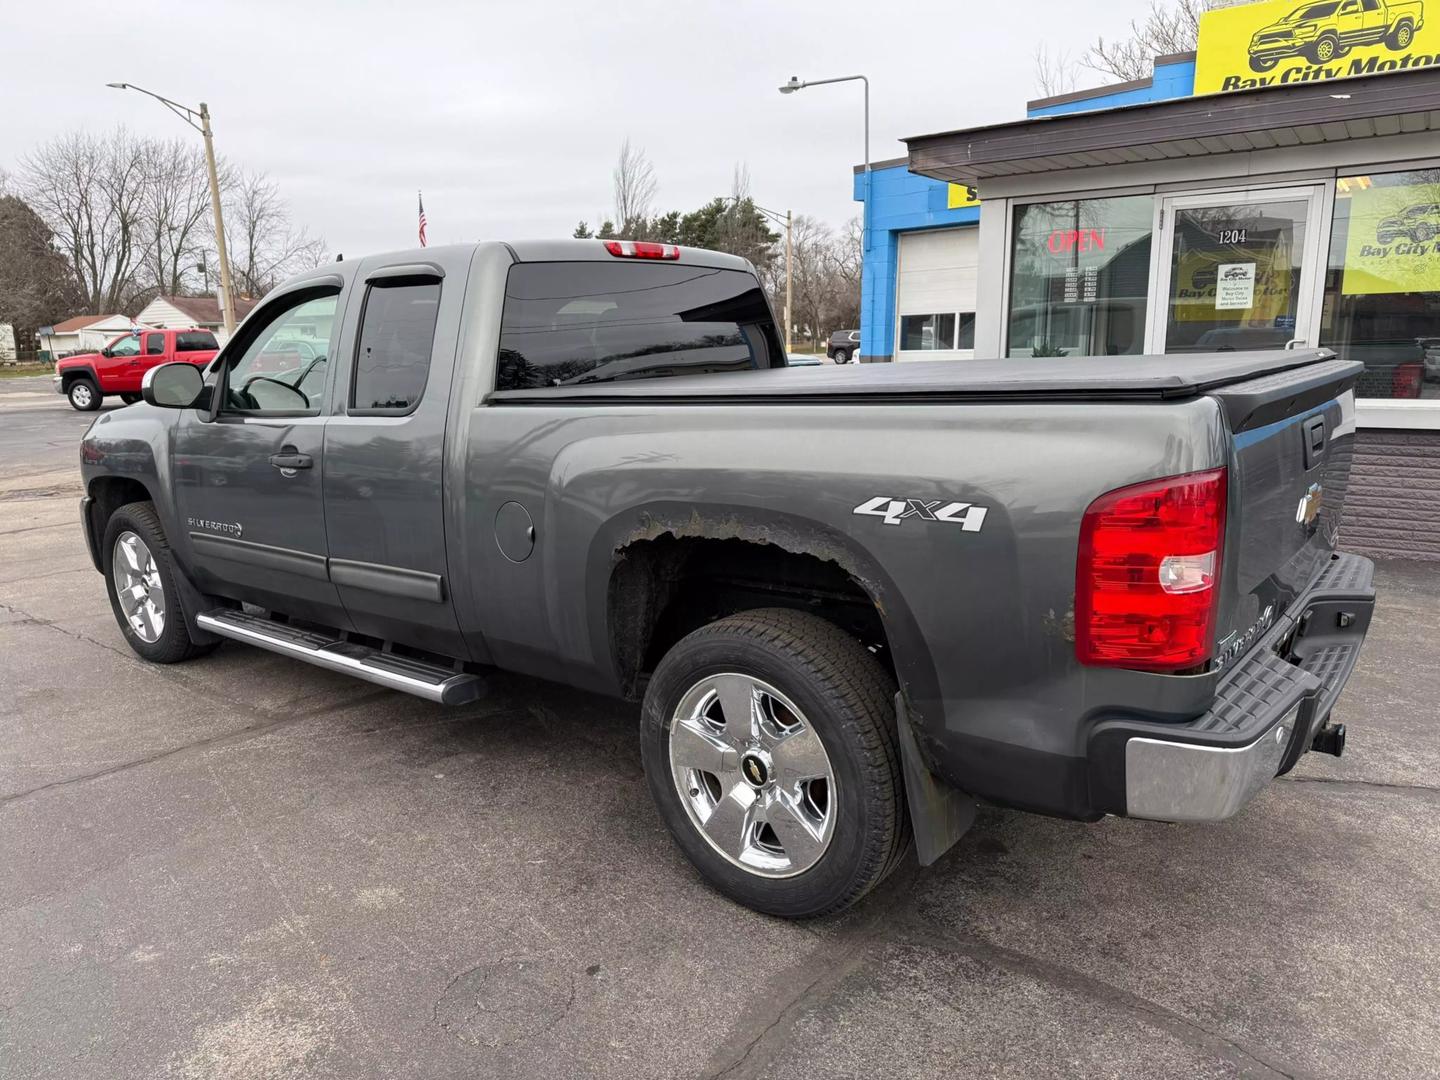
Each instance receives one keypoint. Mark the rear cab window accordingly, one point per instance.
(195, 341)
(575, 323)
(392, 358)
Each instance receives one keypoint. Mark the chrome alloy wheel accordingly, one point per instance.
(753, 775)
(82, 395)
(138, 587)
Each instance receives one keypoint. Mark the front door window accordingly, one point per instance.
(1238, 273)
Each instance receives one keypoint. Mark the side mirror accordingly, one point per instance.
(172, 386)
(106, 351)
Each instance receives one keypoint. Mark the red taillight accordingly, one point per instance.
(1145, 580)
(641, 249)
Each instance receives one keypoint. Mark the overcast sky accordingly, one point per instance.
(509, 115)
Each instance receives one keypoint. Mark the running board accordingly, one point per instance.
(429, 681)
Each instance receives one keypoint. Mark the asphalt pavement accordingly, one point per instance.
(247, 867)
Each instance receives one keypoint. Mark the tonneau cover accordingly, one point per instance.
(1024, 378)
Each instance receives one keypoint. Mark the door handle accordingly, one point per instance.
(289, 461)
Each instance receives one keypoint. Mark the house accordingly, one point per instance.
(83, 333)
(179, 312)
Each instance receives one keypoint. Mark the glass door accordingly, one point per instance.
(1237, 271)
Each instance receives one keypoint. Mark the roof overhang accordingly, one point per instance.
(1244, 120)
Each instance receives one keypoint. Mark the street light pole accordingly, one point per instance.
(789, 281)
(191, 116)
(796, 83)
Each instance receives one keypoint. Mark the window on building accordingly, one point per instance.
(1382, 282)
(392, 360)
(926, 333)
(965, 330)
(1080, 276)
(589, 322)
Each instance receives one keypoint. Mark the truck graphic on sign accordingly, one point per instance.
(1419, 224)
(1328, 30)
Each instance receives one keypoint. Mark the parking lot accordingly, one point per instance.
(247, 867)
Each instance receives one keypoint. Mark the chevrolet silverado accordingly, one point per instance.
(851, 602)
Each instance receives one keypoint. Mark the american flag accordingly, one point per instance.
(422, 222)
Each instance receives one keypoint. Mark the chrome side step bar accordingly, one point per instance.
(429, 681)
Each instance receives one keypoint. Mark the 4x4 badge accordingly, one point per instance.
(967, 515)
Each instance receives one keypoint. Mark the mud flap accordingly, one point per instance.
(939, 814)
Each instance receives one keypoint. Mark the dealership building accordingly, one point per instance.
(1278, 188)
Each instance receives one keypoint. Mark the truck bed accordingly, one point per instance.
(1060, 378)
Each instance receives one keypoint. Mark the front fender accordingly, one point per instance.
(134, 444)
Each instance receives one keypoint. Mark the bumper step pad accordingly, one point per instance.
(406, 674)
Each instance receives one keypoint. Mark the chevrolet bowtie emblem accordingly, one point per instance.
(1309, 508)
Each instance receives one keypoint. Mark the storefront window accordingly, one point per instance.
(1236, 268)
(1382, 283)
(1080, 273)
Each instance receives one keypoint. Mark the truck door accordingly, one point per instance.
(1350, 21)
(384, 452)
(152, 355)
(248, 482)
(119, 365)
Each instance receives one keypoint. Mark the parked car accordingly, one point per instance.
(851, 606)
(1327, 31)
(843, 346)
(804, 360)
(120, 367)
(1418, 224)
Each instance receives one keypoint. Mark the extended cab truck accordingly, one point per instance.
(1328, 30)
(851, 605)
(120, 367)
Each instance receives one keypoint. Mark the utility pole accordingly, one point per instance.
(190, 116)
(789, 280)
(227, 296)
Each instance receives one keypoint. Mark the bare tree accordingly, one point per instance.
(1055, 71)
(1167, 28)
(265, 246)
(177, 225)
(90, 190)
(634, 191)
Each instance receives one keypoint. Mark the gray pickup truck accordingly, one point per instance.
(853, 601)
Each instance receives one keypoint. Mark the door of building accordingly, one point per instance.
(1238, 271)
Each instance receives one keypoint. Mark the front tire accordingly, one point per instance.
(768, 740)
(84, 395)
(143, 582)
(1263, 63)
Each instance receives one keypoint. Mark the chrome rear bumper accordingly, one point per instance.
(1171, 781)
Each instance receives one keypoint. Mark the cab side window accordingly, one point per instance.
(154, 344)
(282, 369)
(392, 357)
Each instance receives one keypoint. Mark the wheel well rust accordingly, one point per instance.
(670, 578)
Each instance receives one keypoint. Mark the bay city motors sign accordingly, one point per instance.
(1280, 42)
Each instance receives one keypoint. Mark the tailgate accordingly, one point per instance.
(1292, 439)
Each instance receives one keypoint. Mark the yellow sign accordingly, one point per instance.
(1207, 281)
(958, 196)
(1393, 245)
(1281, 42)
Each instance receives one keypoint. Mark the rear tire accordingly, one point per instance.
(842, 356)
(84, 395)
(129, 399)
(1401, 36)
(806, 679)
(139, 566)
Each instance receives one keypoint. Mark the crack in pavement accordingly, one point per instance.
(915, 930)
(264, 720)
(1425, 791)
(899, 924)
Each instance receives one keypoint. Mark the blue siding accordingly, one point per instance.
(903, 202)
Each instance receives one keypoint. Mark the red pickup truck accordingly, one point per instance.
(118, 368)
